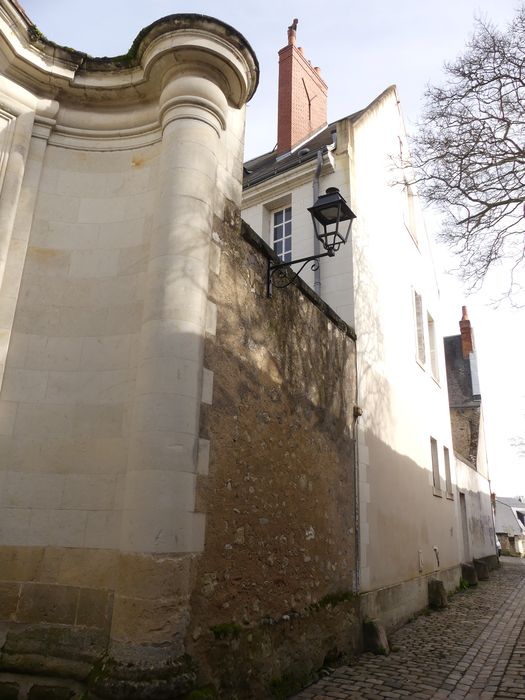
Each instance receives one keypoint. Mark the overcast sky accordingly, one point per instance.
(361, 48)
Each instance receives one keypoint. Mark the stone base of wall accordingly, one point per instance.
(273, 659)
(111, 621)
(395, 605)
(108, 625)
(278, 657)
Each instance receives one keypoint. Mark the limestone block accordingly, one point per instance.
(101, 211)
(181, 296)
(122, 234)
(53, 353)
(24, 385)
(17, 348)
(40, 321)
(41, 291)
(106, 352)
(170, 451)
(9, 594)
(47, 261)
(97, 420)
(144, 531)
(20, 563)
(468, 574)
(374, 637)
(142, 621)
(40, 602)
(61, 528)
(94, 608)
(190, 535)
(7, 417)
(88, 492)
(125, 318)
(207, 386)
(482, 569)
(93, 568)
(169, 375)
(25, 490)
(102, 529)
(211, 318)
(64, 236)
(158, 339)
(15, 526)
(157, 489)
(55, 207)
(42, 421)
(111, 386)
(94, 263)
(116, 292)
(167, 412)
(75, 321)
(133, 259)
(437, 595)
(151, 577)
(203, 461)
(163, 531)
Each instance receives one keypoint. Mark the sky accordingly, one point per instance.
(361, 48)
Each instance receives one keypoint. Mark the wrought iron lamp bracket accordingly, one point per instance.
(281, 275)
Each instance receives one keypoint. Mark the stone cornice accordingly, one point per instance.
(58, 73)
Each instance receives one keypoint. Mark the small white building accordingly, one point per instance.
(510, 525)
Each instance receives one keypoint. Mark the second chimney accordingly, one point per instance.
(467, 337)
(302, 96)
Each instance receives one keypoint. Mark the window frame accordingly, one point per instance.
(448, 474)
(436, 475)
(420, 329)
(285, 228)
(432, 347)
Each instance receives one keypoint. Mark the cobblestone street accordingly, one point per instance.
(473, 649)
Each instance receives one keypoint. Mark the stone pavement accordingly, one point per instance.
(475, 648)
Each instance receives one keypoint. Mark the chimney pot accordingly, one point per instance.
(292, 32)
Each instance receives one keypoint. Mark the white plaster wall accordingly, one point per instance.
(370, 283)
(403, 403)
(476, 487)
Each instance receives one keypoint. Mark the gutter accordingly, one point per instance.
(317, 244)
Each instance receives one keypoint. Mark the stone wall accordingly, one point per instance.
(273, 598)
(465, 424)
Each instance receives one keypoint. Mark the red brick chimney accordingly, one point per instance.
(467, 337)
(302, 96)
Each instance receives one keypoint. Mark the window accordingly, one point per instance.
(432, 346)
(410, 214)
(436, 479)
(448, 478)
(420, 331)
(282, 233)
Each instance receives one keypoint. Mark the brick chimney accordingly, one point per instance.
(302, 96)
(467, 337)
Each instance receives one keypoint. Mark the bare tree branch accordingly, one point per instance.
(468, 156)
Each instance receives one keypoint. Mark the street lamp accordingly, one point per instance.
(329, 215)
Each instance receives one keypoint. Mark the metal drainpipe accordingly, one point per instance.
(317, 244)
(357, 525)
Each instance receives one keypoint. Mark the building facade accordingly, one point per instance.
(475, 514)
(383, 282)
